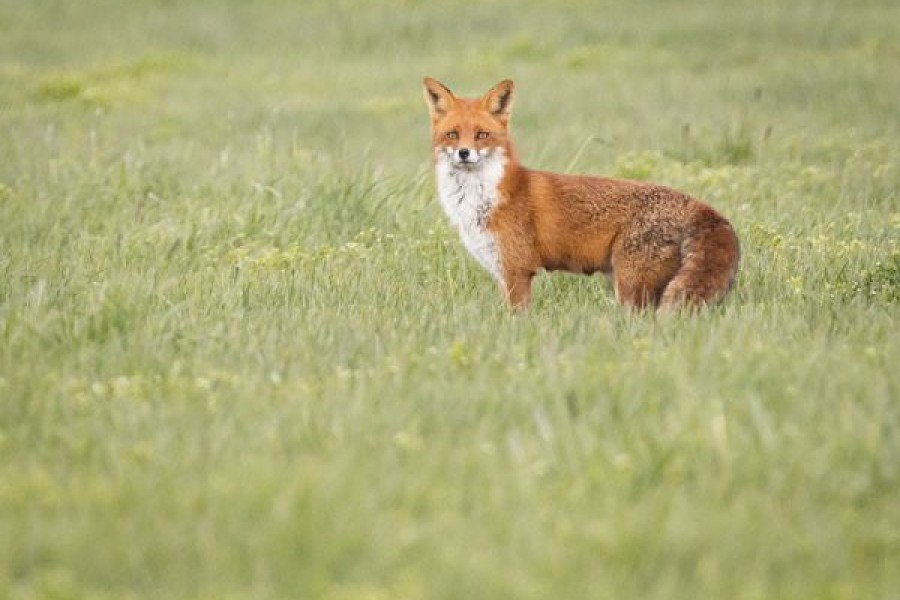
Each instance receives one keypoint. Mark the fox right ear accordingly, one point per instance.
(438, 97)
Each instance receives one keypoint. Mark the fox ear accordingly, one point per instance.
(438, 97)
(498, 101)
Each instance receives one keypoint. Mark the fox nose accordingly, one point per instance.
(464, 153)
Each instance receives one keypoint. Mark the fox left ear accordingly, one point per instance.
(498, 101)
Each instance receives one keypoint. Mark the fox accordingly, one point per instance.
(663, 249)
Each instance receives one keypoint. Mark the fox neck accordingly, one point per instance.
(468, 196)
(470, 187)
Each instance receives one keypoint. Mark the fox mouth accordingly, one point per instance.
(470, 162)
(467, 165)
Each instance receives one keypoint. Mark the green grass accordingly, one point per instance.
(243, 355)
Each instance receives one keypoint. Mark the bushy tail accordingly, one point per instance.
(709, 264)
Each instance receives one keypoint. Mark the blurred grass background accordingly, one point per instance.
(242, 354)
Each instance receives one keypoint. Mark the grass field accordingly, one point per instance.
(243, 355)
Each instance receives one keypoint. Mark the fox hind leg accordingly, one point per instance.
(708, 268)
(640, 273)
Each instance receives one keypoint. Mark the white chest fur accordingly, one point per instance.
(468, 197)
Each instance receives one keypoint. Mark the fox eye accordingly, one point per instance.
(482, 135)
(452, 135)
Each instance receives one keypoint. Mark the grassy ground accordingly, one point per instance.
(242, 354)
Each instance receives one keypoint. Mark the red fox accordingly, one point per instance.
(662, 248)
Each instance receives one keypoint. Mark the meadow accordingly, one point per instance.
(244, 355)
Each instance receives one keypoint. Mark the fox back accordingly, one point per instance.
(661, 247)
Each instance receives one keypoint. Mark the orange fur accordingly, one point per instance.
(661, 247)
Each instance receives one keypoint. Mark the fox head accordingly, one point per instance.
(466, 132)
